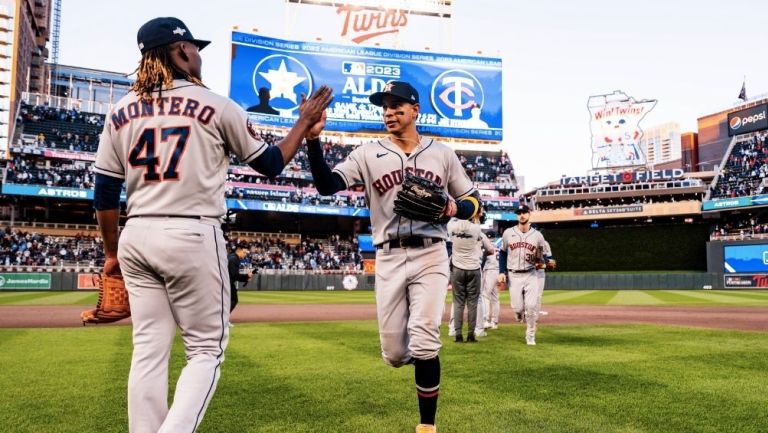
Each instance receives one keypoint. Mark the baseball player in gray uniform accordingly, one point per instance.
(169, 140)
(411, 256)
(490, 292)
(520, 248)
(469, 244)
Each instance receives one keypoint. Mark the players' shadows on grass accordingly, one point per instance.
(267, 393)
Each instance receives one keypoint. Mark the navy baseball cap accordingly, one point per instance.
(523, 209)
(398, 89)
(163, 31)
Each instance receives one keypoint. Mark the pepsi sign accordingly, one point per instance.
(748, 120)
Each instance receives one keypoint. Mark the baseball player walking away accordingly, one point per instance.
(411, 256)
(520, 249)
(169, 140)
(468, 241)
(490, 292)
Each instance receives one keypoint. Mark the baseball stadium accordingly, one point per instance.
(292, 245)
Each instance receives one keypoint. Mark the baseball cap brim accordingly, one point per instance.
(200, 43)
(378, 98)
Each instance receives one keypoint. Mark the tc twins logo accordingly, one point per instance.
(285, 78)
(456, 93)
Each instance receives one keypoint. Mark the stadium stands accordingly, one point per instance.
(57, 149)
(744, 170)
(79, 248)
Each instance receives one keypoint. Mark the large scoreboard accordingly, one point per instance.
(460, 96)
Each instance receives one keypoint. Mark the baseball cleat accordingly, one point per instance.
(494, 325)
(487, 324)
(451, 332)
(426, 428)
(471, 338)
(531, 341)
(459, 338)
(480, 333)
(519, 317)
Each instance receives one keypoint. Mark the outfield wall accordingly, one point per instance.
(44, 281)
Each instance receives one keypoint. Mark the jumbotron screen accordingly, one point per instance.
(460, 96)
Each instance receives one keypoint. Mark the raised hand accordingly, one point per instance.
(311, 110)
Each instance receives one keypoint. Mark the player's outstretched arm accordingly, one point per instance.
(273, 160)
(310, 114)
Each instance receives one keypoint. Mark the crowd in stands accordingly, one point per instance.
(50, 172)
(744, 171)
(740, 226)
(41, 113)
(334, 253)
(542, 204)
(46, 124)
(21, 248)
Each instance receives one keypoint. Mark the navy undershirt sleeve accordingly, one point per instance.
(326, 181)
(503, 262)
(270, 163)
(106, 192)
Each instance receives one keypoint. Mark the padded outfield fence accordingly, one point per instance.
(340, 281)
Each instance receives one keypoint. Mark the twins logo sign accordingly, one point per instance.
(458, 97)
(286, 78)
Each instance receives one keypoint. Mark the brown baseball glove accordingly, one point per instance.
(113, 302)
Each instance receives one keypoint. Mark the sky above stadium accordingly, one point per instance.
(690, 55)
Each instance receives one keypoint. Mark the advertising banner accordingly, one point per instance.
(460, 96)
(726, 203)
(88, 281)
(275, 206)
(25, 281)
(615, 127)
(753, 281)
(748, 120)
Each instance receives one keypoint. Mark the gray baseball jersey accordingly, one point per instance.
(522, 248)
(411, 283)
(172, 152)
(468, 241)
(379, 166)
(492, 262)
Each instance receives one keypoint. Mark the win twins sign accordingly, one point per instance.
(460, 95)
(615, 126)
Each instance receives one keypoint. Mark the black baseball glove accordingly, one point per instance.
(421, 199)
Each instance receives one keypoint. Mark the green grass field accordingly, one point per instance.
(758, 298)
(328, 377)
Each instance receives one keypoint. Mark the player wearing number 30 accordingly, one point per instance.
(170, 141)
